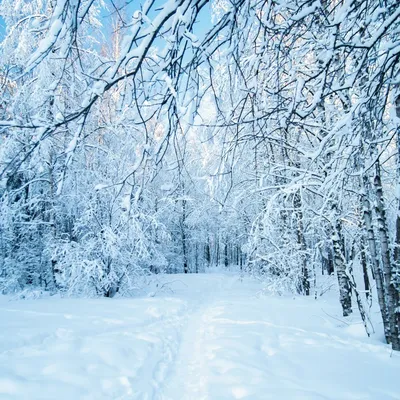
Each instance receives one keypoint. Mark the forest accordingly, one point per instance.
(173, 136)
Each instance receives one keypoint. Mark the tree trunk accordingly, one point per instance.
(391, 291)
(376, 269)
(305, 283)
(363, 259)
(397, 244)
(207, 253)
(340, 266)
(196, 257)
(217, 252)
(183, 237)
(226, 261)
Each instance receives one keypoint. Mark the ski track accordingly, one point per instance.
(211, 338)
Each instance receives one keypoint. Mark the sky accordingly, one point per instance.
(203, 25)
(2, 28)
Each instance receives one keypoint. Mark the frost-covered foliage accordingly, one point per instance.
(132, 142)
(313, 89)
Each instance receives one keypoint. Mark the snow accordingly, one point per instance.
(193, 38)
(306, 11)
(209, 336)
(167, 187)
(101, 186)
(59, 117)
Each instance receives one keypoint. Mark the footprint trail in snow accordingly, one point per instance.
(209, 338)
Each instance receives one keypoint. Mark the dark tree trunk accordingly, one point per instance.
(226, 261)
(207, 253)
(363, 259)
(305, 282)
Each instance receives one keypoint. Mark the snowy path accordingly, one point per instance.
(211, 338)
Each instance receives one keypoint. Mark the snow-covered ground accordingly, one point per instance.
(197, 337)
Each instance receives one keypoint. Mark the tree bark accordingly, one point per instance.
(183, 237)
(376, 269)
(391, 291)
(397, 239)
(364, 264)
(226, 261)
(305, 283)
(340, 266)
